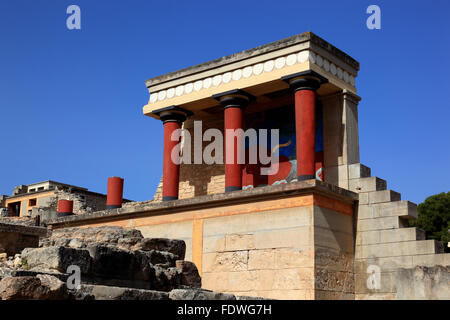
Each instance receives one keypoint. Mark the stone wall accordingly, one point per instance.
(280, 242)
(83, 201)
(385, 244)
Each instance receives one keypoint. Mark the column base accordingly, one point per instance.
(230, 189)
(169, 198)
(305, 177)
(113, 206)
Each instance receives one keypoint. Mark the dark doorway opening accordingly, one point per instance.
(14, 209)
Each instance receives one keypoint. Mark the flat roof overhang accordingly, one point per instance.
(258, 71)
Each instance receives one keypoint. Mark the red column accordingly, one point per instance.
(305, 84)
(65, 207)
(171, 170)
(233, 170)
(172, 118)
(305, 124)
(233, 101)
(115, 193)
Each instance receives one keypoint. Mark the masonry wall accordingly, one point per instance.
(388, 253)
(289, 247)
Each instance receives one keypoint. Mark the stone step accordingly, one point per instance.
(358, 170)
(388, 236)
(384, 223)
(406, 248)
(368, 184)
(404, 209)
(384, 196)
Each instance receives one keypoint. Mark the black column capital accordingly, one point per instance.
(234, 98)
(305, 80)
(172, 114)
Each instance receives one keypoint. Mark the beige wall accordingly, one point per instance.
(270, 248)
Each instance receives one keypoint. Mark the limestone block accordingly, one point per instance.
(423, 283)
(225, 261)
(405, 248)
(283, 238)
(358, 170)
(260, 221)
(384, 196)
(367, 184)
(363, 198)
(235, 242)
(261, 259)
(334, 241)
(386, 236)
(56, 259)
(214, 244)
(242, 281)
(379, 224)
(217, 281)
(404, 209)
(296, 278)
(294, 257)
(307, 294)
(332, 220)
(265, 279)
(386, 264)
(430, 260)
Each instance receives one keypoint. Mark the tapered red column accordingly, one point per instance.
(115, 193)
(305, 85)
(234, 102)
(171, 170)
(172, 118)
(305, 127)
(233, 170)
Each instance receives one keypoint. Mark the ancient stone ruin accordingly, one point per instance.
(114, 264)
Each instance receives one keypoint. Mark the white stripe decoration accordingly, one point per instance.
(255, 70)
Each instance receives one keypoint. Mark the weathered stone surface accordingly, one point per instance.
(114, 263)
(198, 294)
(189, 274)
(32, 288)
(99, 292)
(56, 259)
(106, 234)
(161, 258)
(166, 279)
(177, 247)
(423, 283)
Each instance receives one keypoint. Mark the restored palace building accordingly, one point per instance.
(319, 227)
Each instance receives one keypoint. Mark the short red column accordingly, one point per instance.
(305, 126)
(172, 118)
(65, 207)
(305, 85)
(234, 102)
(115, 193)
(171, 170)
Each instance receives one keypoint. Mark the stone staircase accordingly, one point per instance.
(384, 240)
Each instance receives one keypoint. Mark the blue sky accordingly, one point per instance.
(71, 101)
